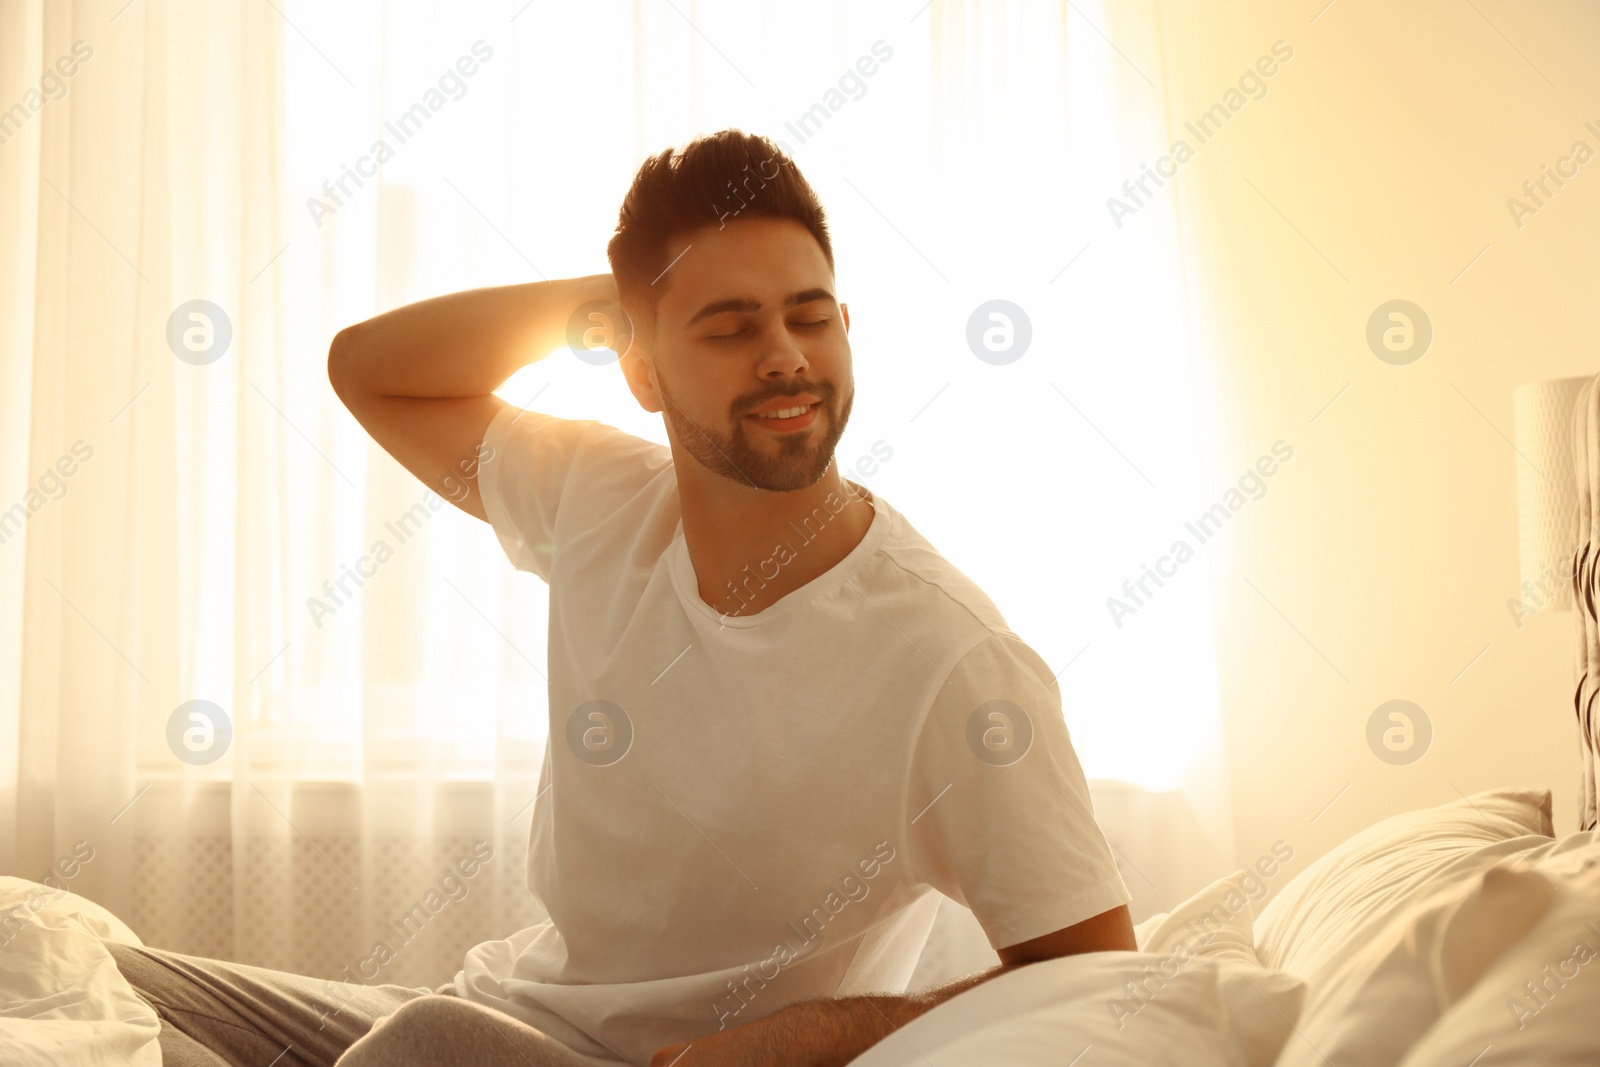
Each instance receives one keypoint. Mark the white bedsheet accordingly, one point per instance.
(62, 999)
(1194, 995)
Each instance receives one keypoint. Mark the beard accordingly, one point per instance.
(798, 461)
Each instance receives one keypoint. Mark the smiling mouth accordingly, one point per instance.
(785, 425)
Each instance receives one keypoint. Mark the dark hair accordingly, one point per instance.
(725, 174)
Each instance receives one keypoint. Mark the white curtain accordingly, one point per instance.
(266, 699)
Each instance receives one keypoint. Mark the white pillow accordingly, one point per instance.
(1499, 1022)
(31, 897)
(1194, 995)
(1375, 1007)
(1209, 1013)
(1219, 918)
(1566, 857)
(1345, 899)
(62, 998)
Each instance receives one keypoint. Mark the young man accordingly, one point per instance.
(781, 724)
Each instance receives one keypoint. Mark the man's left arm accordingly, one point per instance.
(832, 1032)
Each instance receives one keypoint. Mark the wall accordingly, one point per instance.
(1376, 166)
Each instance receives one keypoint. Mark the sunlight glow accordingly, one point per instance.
(1049, 481)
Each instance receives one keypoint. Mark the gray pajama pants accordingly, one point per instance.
(220, 1014)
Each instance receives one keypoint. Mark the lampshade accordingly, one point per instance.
(1547, 491)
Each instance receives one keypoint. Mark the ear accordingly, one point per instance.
(638, 367)
(844, 309)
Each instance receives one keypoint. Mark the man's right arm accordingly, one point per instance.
(421, 378)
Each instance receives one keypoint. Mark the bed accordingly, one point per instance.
(1465, 933)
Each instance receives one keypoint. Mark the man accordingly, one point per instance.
(781, 724)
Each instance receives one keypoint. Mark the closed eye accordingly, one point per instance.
(738, 333)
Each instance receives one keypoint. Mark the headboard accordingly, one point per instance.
(1585, 581)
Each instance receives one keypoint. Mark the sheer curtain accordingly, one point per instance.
(289, 706)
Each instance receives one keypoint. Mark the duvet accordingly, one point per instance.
(62, 999)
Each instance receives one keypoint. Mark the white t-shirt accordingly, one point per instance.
(738, 812)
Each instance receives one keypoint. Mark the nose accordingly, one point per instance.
(782, 357)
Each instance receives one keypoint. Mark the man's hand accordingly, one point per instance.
(668, 1055)
(421, 378)
(711, 1051)
(752, 1044)
(812, 1033)
(832, 1032)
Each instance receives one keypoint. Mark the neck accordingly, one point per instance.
(751, 547)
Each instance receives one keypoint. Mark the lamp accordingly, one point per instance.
(1547, 490)
(1557, 430)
